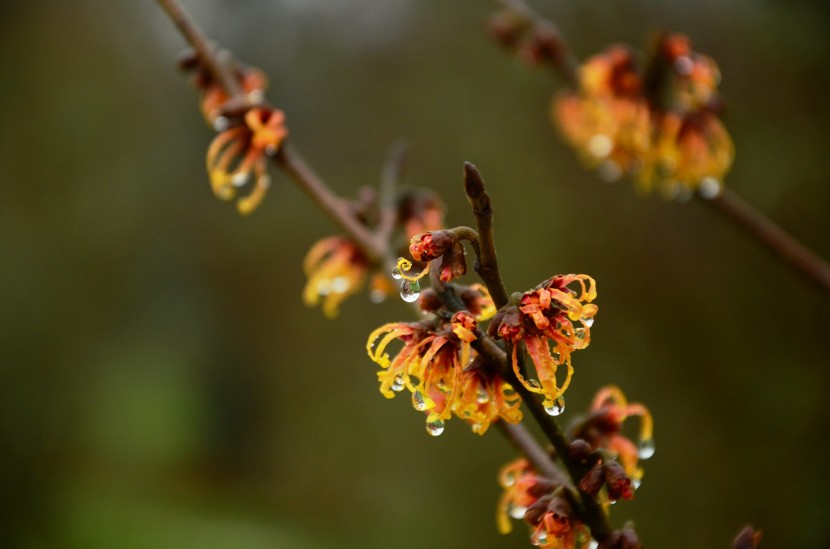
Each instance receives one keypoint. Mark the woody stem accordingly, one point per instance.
(776, 239)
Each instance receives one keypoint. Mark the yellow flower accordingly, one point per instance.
(240, 151)
(336, 269)
(545, 316)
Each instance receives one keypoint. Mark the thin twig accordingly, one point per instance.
(564, 61)
(387, 199)
(538, 458)
(488, 266)
(776, 239)
(194, 36)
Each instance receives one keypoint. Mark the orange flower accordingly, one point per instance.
(436, 366)
(533, 498)
(607, 119)
(545, 316)
(603, 429)
(336, 269)
(238, 152)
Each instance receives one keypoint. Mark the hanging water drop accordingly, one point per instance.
(636, 483)
(593, 545)
(709, 188)
(588, 321)
(396, 274)
(540, 537)
(435, 425)
(646, 449)
(555, 408)
(482, 397)
(410, 291)
(418, 401)
(517, 511)
(398, 384)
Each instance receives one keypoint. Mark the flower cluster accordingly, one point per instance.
(249, 132)
(660, 125)
(543, 504)
(601, 431)
(442, 372)
(545, 321)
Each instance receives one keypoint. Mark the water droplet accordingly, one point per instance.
(418, 401)
(588, 321)
(600, 146)
(636, 483)
(709, 188)
(239, 179)
(410, 291)
(396, 274)
(517, 511)
(476, 428)
(340, 285)
(555, 408)
(539, 537)
(593, 545)
(255, 96)
(398, 384)
(435, 425)
(220, 123)
(683, 65)
(323, 287)
(482, 397)
(646, 449)
(609, 171)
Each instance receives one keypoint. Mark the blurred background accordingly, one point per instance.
(163, 385)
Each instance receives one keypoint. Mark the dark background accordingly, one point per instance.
(163, 385)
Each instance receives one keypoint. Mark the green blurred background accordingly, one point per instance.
(163, 385)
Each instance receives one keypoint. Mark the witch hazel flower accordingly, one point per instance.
(543, 505)
(240, 152)
(550, 322)
(438, 366)
(336, 268)
(602, 430)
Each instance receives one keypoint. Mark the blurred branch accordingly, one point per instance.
(776, 239)
(389, 179)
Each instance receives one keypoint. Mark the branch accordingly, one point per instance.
(389, 179)
(487, 265)
(776, 239)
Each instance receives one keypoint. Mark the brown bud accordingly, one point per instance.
(429, 302)
(617, 482)
(580, 450)
(621, 539)
(453, 263)
(748, 538)
(593, 480)
(429, 246)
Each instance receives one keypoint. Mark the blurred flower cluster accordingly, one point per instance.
(609, 462)
(659, 125)
(249, 132)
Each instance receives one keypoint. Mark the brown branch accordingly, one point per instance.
(487, 265)
(538, 458)
(563, 60)
(776, 239)
(194, 36)
(387, 199)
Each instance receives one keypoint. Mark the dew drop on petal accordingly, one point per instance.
(709, 188)
(593, 545)
(398, 384)
(600, 146)
(418, 401)
(555, 408)
(482, 397)
(239, 179)
(540, 537)
(588, 321)
(646, 449)
(435, 425)
(220, 123)
(340, 285)
(636, 483)
(410, 291)
(396, 274)
(517, 511)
